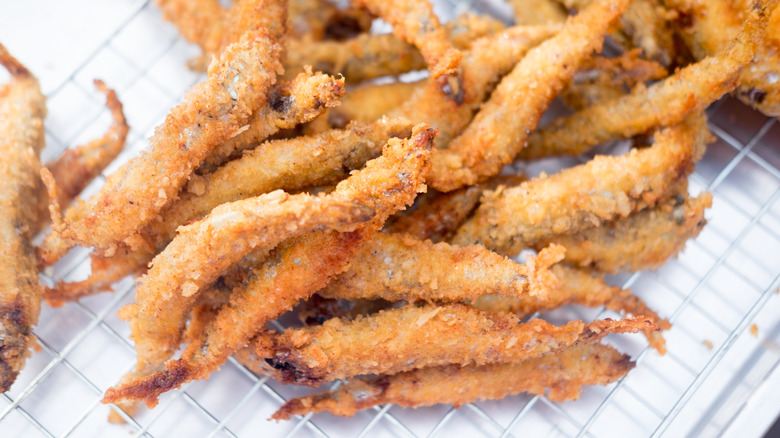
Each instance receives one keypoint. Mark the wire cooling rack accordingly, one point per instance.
(718, 378)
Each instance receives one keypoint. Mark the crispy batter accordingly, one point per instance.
(643, 240)
(483, 65)
(602, 79)
(532, 12)
(297, 268)
(367, 103)
(77, 167)
(576, 286)
(439, 216)
(199, 21)
(496, 134)
(212, 112)
(559, 376)
(316, 310)
(406, 338)
(584, 196)
(22, 110)
(289, 165)
(665, 103)
(315, 20)
(709, 26)
(436, 215)
(414, 22)
(646, 25)
(288, 104)
(402, 268)
(105, 272)
(202, 250)
(207, 24)
(370, 56)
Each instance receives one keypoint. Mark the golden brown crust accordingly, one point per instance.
(496, 134)
(203, 249)
(643, 240)
(483, 65)
(439, 216)
(534, 12)
(584, 196)
(559, 376)
(402, 268)
(398, 340)
(76, 168)
(602, 79)
(297, 268)
(577, 286)
(288, 104)
(212, 112)
(369, 102)
(665, 103)
(708, 28)
(414, 22)
(370, 56)
(22, 110)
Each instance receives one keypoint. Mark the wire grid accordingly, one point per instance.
(722, 284)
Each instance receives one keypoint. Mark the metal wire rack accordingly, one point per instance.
(724, 283)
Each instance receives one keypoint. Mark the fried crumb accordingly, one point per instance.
(754, 330)
(707, 343)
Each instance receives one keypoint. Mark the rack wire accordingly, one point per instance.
(724, 285)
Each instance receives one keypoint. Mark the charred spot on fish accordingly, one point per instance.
(281, 103)
(290, 373)
(381, 383)
(755, 95)
(452, 87)
(315, 320)
(341, 28)
(684, 19)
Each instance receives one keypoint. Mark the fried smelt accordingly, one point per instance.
(297, 268)
(370, 56)
(559, 376)
(647, 25)
(414, 22)
(75, 168)
(440, 216)
(643, 240)
(503, 124)
(576, 286)
(483, 65)
(202, 250)
(664, 103)
(402, 268)
(289, 165)
(410, 337)
(214, 28)
(315, 20)
(602, 79)
(105, 272)
(436, 215)
(708, 28)
(533, 12)
(199, 21)
(22, 110)
(367, 103)
(580, 197)
(212, 112)
(316, 310)
(288, 104)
